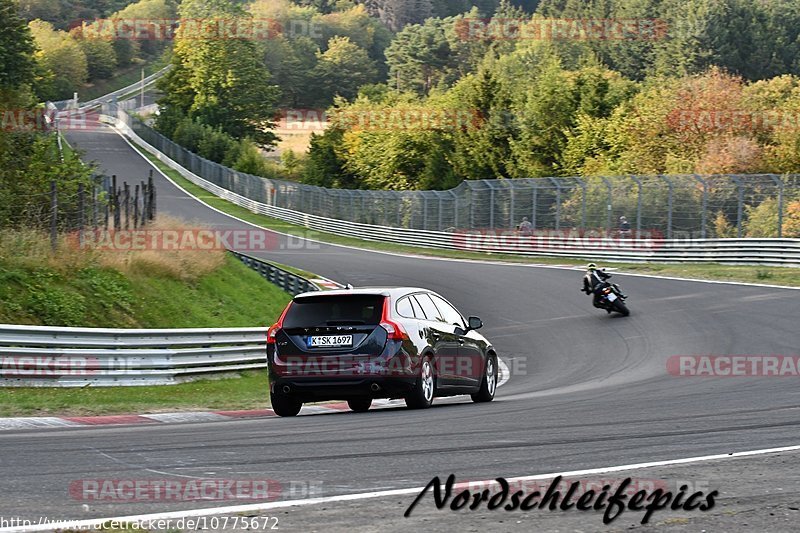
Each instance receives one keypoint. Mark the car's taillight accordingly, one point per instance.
(273, 329)
(394, 330)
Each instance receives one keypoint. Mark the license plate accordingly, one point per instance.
(331, 340)
(611, 297)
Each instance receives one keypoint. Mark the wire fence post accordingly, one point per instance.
(704, 211)
(81, 213)
(558, 202)
(669, 204)
(608, 202)
(638, 207)
(739, 205)
(779, 182)
(53, 216)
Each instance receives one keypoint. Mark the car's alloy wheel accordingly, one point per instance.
(425, 388)
(488, 382)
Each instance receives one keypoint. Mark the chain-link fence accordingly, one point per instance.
(689, 206)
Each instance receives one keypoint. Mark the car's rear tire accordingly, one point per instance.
(488, 382)
(359, 405)
(622, 308)
(421, 396)
(284, 405)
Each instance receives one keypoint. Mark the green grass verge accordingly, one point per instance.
(77, 288)
(249, 391)
(753, 274)
(148, 296)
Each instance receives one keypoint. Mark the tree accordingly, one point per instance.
(420, 57)
(101, 60)
(343, 68)
(60, 54)
(762, 220)
(220, 82)
(16, 48)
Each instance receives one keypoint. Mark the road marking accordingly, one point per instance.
(427, 257)
(255, 507)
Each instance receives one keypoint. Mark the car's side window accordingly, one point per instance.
(417, 308)
(450, 314)
(404, 307)
(428, 306)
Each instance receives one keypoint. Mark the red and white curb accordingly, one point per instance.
(325, 284)
(43, 422)
(51, 422)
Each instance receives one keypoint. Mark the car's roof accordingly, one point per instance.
(394, 292)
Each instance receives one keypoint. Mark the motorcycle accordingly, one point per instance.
(612, 299)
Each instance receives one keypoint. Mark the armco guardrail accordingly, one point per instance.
(288, 281)
(69, 105)
(778, 252)
(75, 357)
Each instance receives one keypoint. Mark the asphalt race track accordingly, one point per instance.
(587, 390)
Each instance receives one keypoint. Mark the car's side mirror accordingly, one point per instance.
(474, 323)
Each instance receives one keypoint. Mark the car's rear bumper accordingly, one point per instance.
(310, 389)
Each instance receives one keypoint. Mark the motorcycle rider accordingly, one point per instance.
(594, 280)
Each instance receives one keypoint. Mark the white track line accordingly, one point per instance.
(255, 507)
(426, 257)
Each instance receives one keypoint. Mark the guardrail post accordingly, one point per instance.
(534, 201)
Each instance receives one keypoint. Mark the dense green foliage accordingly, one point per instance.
(87, 47)
(29, 157)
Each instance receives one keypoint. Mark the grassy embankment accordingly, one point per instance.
(144, 289)
(786, 276)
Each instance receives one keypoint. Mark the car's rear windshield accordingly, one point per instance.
(320, 311)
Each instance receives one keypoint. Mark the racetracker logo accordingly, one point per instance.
(47, 119)
(362, 366)
(21, 366)
(209, 29)
(380, 120)
(727, 366)
(543, 29)
(733, 120)
(188, 239)
(550, 240)
(172, 490)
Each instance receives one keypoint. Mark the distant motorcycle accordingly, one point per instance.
(611, 298)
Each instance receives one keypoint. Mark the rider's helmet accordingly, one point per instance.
(591, 267)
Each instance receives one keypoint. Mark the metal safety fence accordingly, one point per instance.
(564, 243)
(675, 206)
(75, 357)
